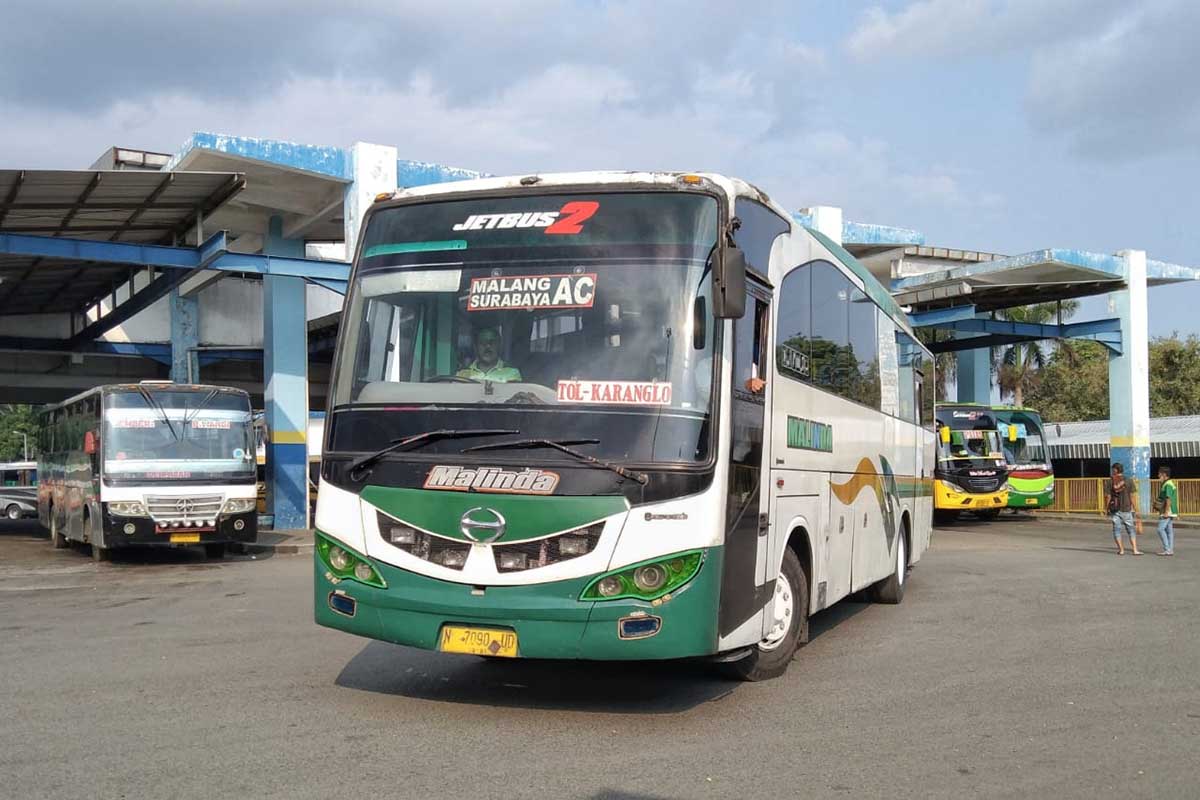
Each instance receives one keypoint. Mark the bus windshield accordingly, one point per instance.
(1029, 446)
(563, 316)
(973, 437)
(177, 434)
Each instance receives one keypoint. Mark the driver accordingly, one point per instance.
(487, 365)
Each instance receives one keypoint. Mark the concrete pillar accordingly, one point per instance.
(1129, 377)
(185, 336)
(285, 375)
(974, 368)
(828, 220)
(372, 171)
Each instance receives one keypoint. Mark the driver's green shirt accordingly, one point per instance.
(499, 372)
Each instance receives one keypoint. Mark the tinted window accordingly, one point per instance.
(830, 327)
(861, 357)
(758, 231)
(910, 360)
(795, 324)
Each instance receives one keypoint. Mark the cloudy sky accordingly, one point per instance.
(1003, 125)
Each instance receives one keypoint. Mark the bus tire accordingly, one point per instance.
(891, 589)
(56, 538)
(215, 550)
(99, 552)
(771, 657)
(13, 512)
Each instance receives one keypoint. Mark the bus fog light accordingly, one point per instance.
(638, 626)
(609, 586)
(572, 545)
(339, 558)
(514, 561)
(129, 529)
(649, 577)
(363, 571)
(453, 559)
(239, 524)
(402, 534)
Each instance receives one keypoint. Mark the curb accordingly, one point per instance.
(1100, 519)
(289, 545)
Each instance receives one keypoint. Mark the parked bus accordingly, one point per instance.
(18, 474)
(1030, 474)
(971, 471)
(152, 463)
(567, 420)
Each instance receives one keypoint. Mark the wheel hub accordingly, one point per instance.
(782, 609)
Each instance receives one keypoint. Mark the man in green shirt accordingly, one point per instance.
(1168, 509)
(487, 365)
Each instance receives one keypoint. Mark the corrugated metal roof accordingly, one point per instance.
(1170, 437)
(107, 205)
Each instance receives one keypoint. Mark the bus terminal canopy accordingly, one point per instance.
(102, 205)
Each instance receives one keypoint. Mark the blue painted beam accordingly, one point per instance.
(864, 233)
(333, 286)
(317, 159)
(1031, 331)
(941, 316)
(210, 255)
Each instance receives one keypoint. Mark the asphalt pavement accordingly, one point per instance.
(1027, 660)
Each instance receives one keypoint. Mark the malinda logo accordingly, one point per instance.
(492, 479)
(568, 220)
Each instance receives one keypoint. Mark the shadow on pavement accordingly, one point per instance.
(27, 528)
(615, 687)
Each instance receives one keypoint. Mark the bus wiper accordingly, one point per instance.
(411, 442)
(162, 412)
(562, 447)
(195, 412)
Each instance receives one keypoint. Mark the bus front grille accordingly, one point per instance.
(520, 556)
(168, 509)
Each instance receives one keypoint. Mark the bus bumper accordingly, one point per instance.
(946, 500)
(549, 619)
(145, 534)
(1034, 498)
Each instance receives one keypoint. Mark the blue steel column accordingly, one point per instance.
(285, 374)
(1129, 377)
(185, 336)
(974, 375)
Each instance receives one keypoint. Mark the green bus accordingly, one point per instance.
(1031, 477)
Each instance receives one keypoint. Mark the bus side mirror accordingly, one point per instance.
(945, 434)
(729, 283)
(91, 443)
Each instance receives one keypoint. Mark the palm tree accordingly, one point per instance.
(1020, 363)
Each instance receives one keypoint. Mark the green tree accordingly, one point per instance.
(1175, 376)
(1020, 365)
(16, 419)
(1073, 384)
(945, 365)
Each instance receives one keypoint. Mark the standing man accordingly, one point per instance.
(1168, 509)
(1122, 500)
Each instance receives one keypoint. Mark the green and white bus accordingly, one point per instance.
(1030, 474)
(615, 416)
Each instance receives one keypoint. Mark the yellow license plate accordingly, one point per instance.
(185, 538)
(478, 641)
(1031, 501)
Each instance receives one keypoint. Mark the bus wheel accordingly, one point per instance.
(13, 512)
(98, 553)
(215, 550)
(56, 538)
(891, 589)
(789, 614)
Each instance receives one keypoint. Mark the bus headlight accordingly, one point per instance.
(238, 505)
(951, 487)
(345, 564)
(127, 508)
(648, 581)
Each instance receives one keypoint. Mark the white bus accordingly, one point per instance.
(615, 416)
(152, 463)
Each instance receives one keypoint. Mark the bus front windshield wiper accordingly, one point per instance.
(162, 412)
(410, 442)
(562, 447)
